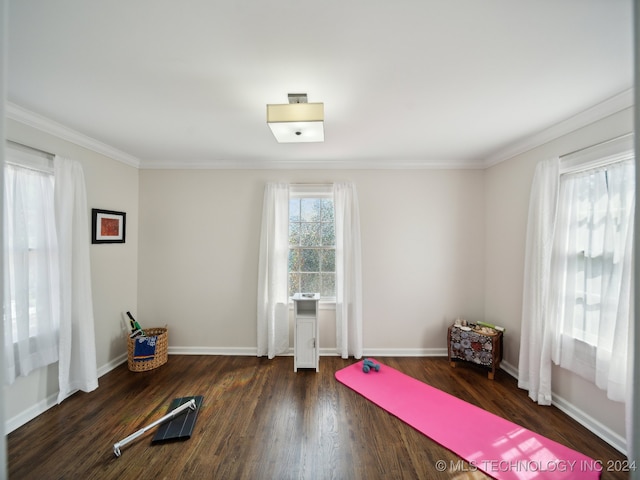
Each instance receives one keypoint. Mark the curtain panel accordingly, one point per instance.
(348, 271)
(577, 297)
(534, 365)
(47, 273)
(273, 273)
(77, 369)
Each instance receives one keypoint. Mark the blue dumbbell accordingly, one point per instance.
(368, 364)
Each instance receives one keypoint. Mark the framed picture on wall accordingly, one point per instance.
(107, 226)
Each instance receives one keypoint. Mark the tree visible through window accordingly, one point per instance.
(312, 241)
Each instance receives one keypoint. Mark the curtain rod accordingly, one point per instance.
(630, 134)
(44, 152)
(312, 184)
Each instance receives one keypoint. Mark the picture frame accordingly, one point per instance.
(108, 226)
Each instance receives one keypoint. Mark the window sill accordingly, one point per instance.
(328, 304)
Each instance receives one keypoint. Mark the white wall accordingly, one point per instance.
(422, 242)
(507, 200)
(111, 185)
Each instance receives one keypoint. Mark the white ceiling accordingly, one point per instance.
(404, 83)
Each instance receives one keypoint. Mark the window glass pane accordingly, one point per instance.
(328, 260)
(310, 260)
(294, 234)
(326, 212)
(310, 234)
(295, 262)
(310, 209)
(294, 283)
(310, 282)
(328, 234)
(328, 288)
(294, 210)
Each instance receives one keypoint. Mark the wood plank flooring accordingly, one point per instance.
(260, 420)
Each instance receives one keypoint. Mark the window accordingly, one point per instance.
(312, 243)
(597, 217)
(592, 261)
(31, 276)
(322, 254)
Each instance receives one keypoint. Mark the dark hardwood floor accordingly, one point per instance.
(260, 420)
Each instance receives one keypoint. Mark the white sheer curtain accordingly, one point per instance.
(348, 271)
(534, 366)
(77, 351)
(595, 245)
(31, 272)
(578, 278)
(273, 296)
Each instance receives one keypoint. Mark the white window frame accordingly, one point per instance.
(23, 157)
(616, 150)
(314, 191)
(43, 327)
(600, 156)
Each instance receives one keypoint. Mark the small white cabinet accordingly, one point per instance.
(306, 349)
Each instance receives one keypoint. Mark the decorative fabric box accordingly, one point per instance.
(466, 344)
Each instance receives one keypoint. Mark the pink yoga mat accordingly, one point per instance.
(488, 442)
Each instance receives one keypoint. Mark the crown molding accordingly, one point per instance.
(44, 124)
(608, 107)
(311, 165)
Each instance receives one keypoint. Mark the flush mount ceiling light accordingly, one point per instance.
(297, 121)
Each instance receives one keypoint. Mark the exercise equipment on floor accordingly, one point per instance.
(180, 423)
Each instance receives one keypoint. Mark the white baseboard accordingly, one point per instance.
(324, 352)
(239, 351)
(601, 430)
(405, 352)
(584, 419)
(510, 369)
(112, 364)
(30, 413)
(52, 400)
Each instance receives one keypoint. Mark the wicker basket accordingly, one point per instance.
(161, 354)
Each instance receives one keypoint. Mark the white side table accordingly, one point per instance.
(306, 331)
